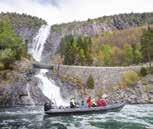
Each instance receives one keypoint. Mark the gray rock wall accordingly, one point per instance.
(27, 34)
(103, 76)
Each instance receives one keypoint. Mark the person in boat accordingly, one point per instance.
(94, 103)
(48, 106)
(83, 104)
(102, 101)
(89, 102)
(72, 103)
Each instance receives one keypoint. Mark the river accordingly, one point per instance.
(130, 117)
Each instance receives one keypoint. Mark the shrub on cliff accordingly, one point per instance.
(143, 71)
(11, 46)
(90, 82)
(130, 78)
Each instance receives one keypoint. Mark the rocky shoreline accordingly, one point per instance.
(141, 93)
(20, 87)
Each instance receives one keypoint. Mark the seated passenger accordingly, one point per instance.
(83, 104)
(102, 101)
(89, 102)
(94, 103)
(72, 103)
(48, 106)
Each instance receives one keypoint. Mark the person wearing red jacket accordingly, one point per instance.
(89, 102)
(101, 102)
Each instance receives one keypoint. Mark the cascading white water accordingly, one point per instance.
(39, 41)
(48, 87)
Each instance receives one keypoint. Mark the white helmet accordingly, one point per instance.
(104, 96)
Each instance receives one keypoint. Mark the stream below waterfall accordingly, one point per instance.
(130, 117)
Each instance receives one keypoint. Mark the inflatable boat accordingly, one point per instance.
(82, 111)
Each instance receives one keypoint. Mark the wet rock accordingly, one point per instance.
(22, 93)
(20, 87)
(138, 94)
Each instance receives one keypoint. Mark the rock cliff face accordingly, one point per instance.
(20, 87)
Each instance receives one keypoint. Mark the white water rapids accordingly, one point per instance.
(48, 87)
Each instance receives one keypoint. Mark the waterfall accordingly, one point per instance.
(48, 87)
(39, 41)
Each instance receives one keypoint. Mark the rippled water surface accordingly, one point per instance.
(130, 117)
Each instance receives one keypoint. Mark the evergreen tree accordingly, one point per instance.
(128, 54)
(107, 50)
(90, 82)
(137, 55)
(76, 50)
(11, 46)
(147, 45)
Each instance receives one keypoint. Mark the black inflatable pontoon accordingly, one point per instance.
(82, 111)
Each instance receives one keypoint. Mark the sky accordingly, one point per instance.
(62, 11)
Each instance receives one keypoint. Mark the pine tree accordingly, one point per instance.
(147, 45)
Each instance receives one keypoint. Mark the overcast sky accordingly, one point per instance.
(59, 11)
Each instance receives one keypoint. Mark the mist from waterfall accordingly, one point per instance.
(48, 87)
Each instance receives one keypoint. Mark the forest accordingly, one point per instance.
(118, 48)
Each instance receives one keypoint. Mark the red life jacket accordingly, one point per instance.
(101, 103)
(89, 102)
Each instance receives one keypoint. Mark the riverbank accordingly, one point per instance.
(20, 87)
(140, 93)
(74, 84)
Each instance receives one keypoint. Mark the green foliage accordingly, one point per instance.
(11, 46)
(109, 48)
(130, 78)
(128, 54)
(82, 51)
(76, 50)
(90, 82)
(2, 66)
(137, 55)
(106, 50)
(116, 56)
(143, 71)
(20, 20)
(147, 45)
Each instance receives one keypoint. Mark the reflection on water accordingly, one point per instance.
(130, 117)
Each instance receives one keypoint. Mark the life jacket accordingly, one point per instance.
(101, 103)
(89, 102)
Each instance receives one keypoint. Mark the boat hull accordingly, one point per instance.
(83, 111)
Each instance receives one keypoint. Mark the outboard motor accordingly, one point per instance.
(47, 106)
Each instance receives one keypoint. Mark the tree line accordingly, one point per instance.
(81, 50)
(12, 47)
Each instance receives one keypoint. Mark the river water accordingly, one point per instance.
(130, 117)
